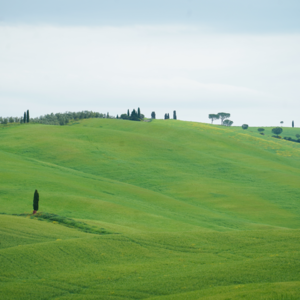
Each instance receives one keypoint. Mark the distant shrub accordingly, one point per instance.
(292, 140)
(260, 129)
(298, 135)
(245, 126)
(262, 133)
(124, 117)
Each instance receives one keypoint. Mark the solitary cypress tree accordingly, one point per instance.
(153, 116)
(139, 113)
(36, 198)
(128, 114)
(293, 124)
(27, 116)
(174, 115)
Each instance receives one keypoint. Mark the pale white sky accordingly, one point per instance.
(190, 67)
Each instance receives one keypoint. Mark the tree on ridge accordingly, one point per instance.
(36, 198)
(227, 122)
(174, 115)
(277, 130)
(213, 117)
(223, 116)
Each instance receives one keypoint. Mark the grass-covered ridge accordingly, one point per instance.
(68, 222)
(203, 211)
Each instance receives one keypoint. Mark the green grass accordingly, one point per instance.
(56, 219)
(196, 211)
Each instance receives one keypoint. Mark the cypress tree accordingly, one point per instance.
(27, 116)
(174, 115)
(128, 114)
(153, 115)
(139, 113)
(134, 116)
(36, 198)
(293, 124)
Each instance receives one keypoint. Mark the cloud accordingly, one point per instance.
(164, 67)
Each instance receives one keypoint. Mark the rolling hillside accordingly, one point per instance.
(190, 211)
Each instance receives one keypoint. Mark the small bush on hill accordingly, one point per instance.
(291, 139)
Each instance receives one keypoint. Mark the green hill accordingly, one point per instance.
(189, 211)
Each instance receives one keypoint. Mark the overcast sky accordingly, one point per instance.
(195, 57)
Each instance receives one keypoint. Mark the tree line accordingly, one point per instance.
(55, 119)
(222, 116)
(167, 116)
(135, 115)
(65, 118)
(276, 131)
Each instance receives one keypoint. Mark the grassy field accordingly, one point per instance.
(149, 210)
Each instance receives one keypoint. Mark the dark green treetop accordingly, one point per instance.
(213, 117)
(277, 130)
(223, 116)
(227, 122)
(36, 198)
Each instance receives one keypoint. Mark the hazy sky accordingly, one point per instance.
(195, 57)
